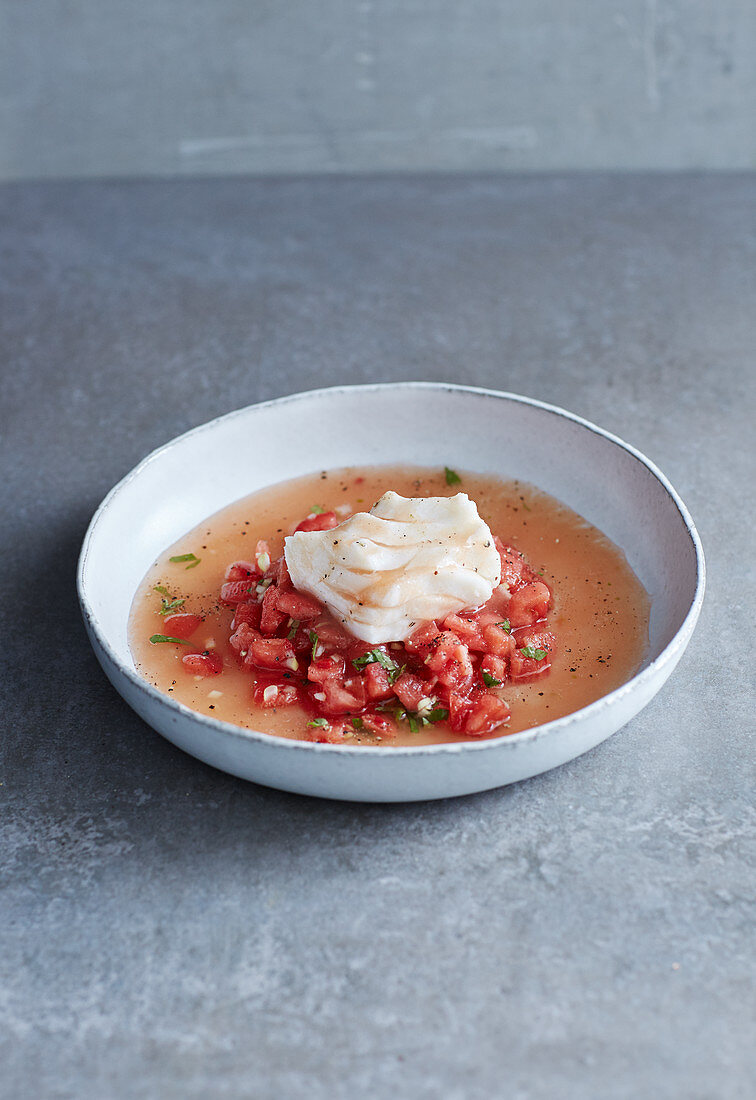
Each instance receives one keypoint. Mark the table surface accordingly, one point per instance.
(168, 930)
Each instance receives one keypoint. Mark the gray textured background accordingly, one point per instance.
(109, 88)
(169, 931)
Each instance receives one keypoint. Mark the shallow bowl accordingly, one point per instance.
(607, 481)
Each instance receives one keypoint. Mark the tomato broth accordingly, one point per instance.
(599, 610)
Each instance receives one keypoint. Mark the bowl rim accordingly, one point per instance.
(547, 729)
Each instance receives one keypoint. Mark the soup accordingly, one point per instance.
(587, 638)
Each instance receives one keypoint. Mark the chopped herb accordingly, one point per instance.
(165, 638)
(171, 605)
(314, 642)
(377, 656)
(533, 653)
(318, 722)
(357, 723)
(191, 558)
(452, 478)
(489, 680)
(505, 625)
(438, 714)
(168, 602)
(293, 629)
(317, 510)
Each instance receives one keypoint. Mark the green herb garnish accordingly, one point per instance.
(168, 602)
(489, 680)
(314, 642)
(317, 510)
(533, 653)
(377, 656)
(357, 723)
(166, 638)
(293, 629)
(416, 720)
(452, 478)
(318, 722)
(171, 605)
(191, 558)
(505, 625)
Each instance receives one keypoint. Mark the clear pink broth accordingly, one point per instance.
(600, 615)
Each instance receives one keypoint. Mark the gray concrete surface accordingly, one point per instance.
(168, 931)
(203, 87)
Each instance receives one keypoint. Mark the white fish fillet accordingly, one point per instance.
(406, 561)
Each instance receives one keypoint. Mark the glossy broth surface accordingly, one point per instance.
(600, 615)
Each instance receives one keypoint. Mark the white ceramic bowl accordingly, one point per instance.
(608, 482)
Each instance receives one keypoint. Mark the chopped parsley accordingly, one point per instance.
(293, 628)
(533, 653)
(452, 478)
(318, 722)
(489, 680)
(313, 642)
(316, 510)
(166, 638)
(191, 558)
(357, 723)
(377, 656)
(505, 626)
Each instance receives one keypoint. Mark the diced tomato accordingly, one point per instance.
(323, 521)
(496, 668)
(377, 686)
(420, 640)
(467, 630)
(341, 696)
(332, 734)
(529, 603)
(514, 569)
(523, 667)
(325, 668)
(181, 625)
(269, 695)
(241, 571)
(410, 689)
(477, 714)
(271, 618)
(300, 639)
(233, 592)
(379, 724)
(498, 641)
(203, 664)
(249, 612)
(283, 580)
(450, 660)
(332, 636)
(271, 653)
(299, 606)
(242, 638)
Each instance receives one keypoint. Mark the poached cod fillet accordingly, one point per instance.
(408, 560)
